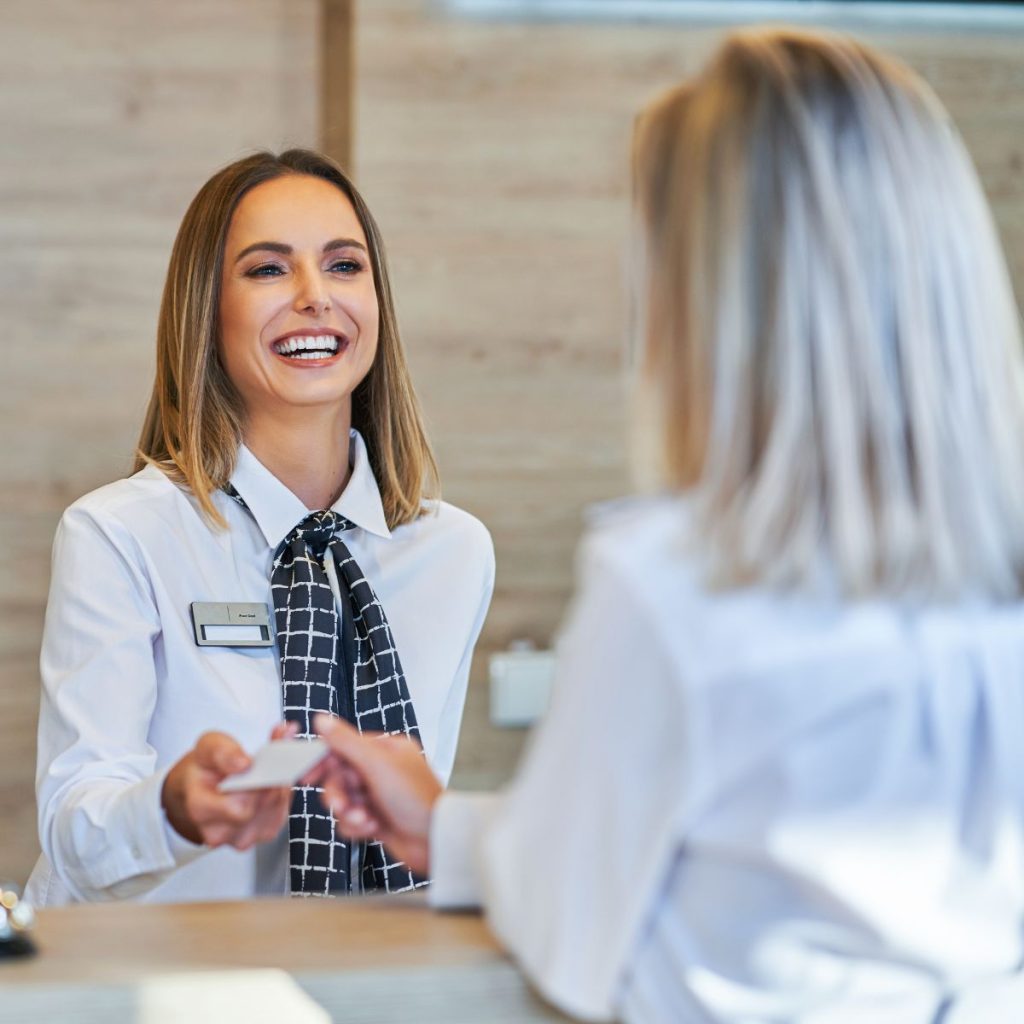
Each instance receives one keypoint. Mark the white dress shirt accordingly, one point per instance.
(747, 807)
(127, 692)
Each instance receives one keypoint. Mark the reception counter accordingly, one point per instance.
(375, 959)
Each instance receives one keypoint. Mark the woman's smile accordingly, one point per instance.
(310, 350)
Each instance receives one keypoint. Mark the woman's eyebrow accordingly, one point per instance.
(280, 247)
(344, 243)
(287, 250)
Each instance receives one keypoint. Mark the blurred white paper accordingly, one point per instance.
(256, 997)
(279, 763)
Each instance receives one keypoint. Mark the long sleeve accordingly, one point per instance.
(572, 855)
(451, 713)
(101, 824)
(456, 829)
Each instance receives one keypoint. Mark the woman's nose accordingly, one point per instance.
(312, 295)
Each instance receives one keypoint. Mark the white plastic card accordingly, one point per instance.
(279, 763)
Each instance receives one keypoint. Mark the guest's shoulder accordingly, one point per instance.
(639, 536)
(639, 553)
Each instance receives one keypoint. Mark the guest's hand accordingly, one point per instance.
(197, 809)
(378, 787)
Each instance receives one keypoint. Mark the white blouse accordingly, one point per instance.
(745, 807)
(127, 691)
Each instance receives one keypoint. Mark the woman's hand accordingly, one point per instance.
(378, 787)
(198, 811)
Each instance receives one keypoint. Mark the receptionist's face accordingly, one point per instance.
(298, 308)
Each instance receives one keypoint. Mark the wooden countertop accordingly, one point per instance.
(380, 959)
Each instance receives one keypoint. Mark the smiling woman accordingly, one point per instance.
(283, 481)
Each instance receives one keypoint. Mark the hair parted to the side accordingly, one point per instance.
(831, 355)
(194, 423)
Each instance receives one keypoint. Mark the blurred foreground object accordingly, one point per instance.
(264, 996)
(16, 921)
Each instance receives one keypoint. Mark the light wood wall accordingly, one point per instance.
(494, 158)
(113, 114)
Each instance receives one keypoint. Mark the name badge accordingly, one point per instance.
(237, 624)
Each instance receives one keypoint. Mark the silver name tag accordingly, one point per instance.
(236, 624)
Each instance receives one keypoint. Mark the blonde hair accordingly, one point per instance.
(194, 422)
(831, 362)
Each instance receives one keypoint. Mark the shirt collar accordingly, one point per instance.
(360, 501)
(277, 510)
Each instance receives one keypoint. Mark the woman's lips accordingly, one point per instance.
(310, 350)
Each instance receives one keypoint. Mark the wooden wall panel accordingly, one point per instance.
(494, 155)
(113, 114)
(336, 101)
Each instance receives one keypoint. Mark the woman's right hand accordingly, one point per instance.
(197, 809)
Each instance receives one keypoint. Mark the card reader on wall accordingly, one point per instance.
(520, 684)
(232, 624)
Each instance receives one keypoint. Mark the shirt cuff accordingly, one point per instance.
(158, 850)
(182, 851)
(457, 825)
(136, 855)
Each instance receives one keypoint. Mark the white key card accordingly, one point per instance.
(279, 763)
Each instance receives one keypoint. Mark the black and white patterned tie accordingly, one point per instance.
(345, 666)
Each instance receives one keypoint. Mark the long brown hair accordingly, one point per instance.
(193, 425)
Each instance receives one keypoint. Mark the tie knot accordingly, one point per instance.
(317, 530)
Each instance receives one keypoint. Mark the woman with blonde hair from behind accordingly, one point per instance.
(781, 776)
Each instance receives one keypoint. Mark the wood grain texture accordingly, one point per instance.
(494, 154)
(113, 115)
(372, 959)
(337, 22)
(127, 942)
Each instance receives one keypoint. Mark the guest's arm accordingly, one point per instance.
(572, 855)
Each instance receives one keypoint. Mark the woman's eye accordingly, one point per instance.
(265, 270)
(346, 266)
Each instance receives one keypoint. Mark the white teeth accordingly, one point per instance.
(308, 347)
